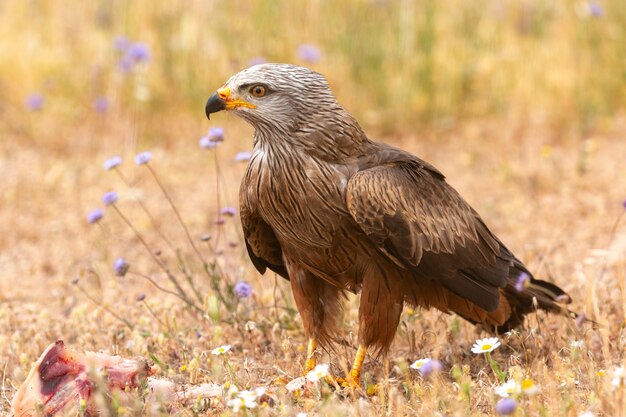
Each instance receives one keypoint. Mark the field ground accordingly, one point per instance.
(546, 175)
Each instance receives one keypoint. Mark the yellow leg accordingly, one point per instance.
(310, 356)
(354, 379)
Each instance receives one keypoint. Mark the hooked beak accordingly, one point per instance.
(221, 100)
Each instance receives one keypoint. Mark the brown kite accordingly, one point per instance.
(332, 211)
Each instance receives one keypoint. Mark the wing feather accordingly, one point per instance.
(262, 245)
(422, 224)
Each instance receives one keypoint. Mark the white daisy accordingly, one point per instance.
(507, 389)
(249, 398)
(485, 345)
(418, 363)
(577, 344)
(236, 404)
(246, 398)
(220, 350)
(319, 372)
(529, 387)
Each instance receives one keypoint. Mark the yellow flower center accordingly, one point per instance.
(527, 384)
(487, 347)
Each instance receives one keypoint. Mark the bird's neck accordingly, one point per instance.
(334, 141)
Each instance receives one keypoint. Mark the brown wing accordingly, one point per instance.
(262, 245)
(421, 223)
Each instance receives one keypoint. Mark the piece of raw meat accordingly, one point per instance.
(63, 379)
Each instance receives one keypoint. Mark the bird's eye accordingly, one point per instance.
(258, 90)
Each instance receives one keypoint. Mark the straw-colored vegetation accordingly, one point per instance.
(521, 105)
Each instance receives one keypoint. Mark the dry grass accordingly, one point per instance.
(544, 170)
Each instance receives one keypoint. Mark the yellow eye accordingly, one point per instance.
(258, 90)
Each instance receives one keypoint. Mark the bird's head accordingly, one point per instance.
(278, 97)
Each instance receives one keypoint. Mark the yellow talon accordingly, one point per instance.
(309, 365)
(353, 379)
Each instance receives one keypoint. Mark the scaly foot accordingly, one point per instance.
(309, 365)
(348, 382)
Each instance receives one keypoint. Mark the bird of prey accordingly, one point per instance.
(333, 212)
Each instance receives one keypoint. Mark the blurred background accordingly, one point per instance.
(399, 66)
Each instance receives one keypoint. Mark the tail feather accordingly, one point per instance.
(535, 294)
(513, 306)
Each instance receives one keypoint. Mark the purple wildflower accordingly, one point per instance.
(245, 156)
(121, 43)
(506, 406)
(431, 367)
(309, 53)
(138, 52)
(206, 143)
(125, 65)
(216, 134)
(228, 211)
(143, 158)
(624, 204)
(112, 162)
(109, 198)
(34, 102)
(121, 266)
(522, 281)
(595, 9)
(257, 60)
(101, 104)
(95, 215)
(242, 289)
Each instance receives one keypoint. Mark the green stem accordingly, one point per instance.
(233, 377)
(496, 369)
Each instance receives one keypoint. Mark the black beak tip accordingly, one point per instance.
(213, 105)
